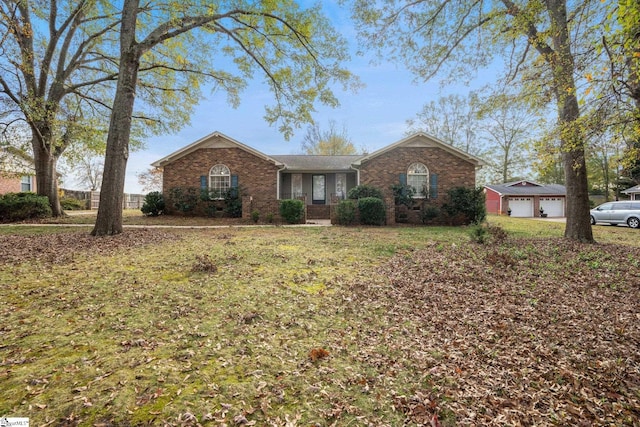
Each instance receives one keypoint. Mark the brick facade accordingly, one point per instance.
(384, 170)
(258, 174)
(13, 183)
(257, 177)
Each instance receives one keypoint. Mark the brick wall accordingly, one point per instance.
(384, 170)
(257, 177)
(9, 184)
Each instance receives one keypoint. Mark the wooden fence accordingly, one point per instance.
(92, 198)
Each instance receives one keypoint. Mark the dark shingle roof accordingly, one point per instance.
(316, 163)
(529, 190)
(635, 189)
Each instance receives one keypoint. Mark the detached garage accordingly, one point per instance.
(524, 199)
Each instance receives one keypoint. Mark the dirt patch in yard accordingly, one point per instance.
(62, 248)
(529, 332)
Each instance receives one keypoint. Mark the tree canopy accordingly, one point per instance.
(328, 142)
(296, 50)
(58, 70)
(545, 45)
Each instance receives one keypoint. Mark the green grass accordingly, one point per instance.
(142, 337)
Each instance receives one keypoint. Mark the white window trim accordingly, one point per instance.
(419, 193)
(226, 173)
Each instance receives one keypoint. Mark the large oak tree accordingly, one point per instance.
(296, 51)
(51, 64)
(58, 70)
(542, 40)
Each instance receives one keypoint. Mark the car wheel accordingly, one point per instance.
(593, 220)
(633, 222)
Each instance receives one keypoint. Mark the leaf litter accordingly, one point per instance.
(524, 332)
(534, 332)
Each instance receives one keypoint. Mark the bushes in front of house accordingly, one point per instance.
(233, 202)
(346, 212)
(465, 205)
(365, 205)
(403, 194)
(153, 204)
(362, 191)
(292, 210)
(429, 213)
(22, 206)
(372, 211)
(184, 199)
(194, 201)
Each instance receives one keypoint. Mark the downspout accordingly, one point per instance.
(357, 173)
(278, 176)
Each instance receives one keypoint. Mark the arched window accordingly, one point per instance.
(219, 181)
(418, 178)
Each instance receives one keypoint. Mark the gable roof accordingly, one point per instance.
(421, 139)
(315, 162)
(16, 161)
(215, 139)
(634, 189)
(529, 189)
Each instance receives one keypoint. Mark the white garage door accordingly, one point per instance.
(521, 206)
(553, 206)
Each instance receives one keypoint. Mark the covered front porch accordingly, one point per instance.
(318, 180)
(318, 189)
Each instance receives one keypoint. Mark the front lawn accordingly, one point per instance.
(319, 326)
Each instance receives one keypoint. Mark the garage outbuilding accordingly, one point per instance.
(526, 199)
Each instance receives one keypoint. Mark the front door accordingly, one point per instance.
(318, 190)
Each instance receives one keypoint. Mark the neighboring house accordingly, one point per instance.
(216, 163)
(633, 192)
(17, 172)
(525, 198)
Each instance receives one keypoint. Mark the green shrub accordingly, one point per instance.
(255, 215)
(72, 204)
(233, 202)
(21, 206)
(372, 211)
(153, 204)
(184, 199)
(362, 191)
(292, 210)
(346, 212)
(429, 213)
(479, 234)
(466, 205)
(403, 195)
(269, 217)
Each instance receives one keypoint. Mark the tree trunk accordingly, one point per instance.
(46, 176)
(572, 138)
(109, 220)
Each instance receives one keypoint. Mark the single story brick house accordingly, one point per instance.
(17, 171)
(633, 192)
(525, 198)
(217, 162)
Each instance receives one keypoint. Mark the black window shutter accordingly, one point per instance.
(403, 179)
(234, 181)
(433, 186)
(203, 182)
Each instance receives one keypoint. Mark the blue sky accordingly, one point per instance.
(374, 116)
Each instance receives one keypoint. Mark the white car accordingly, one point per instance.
(615, 213)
